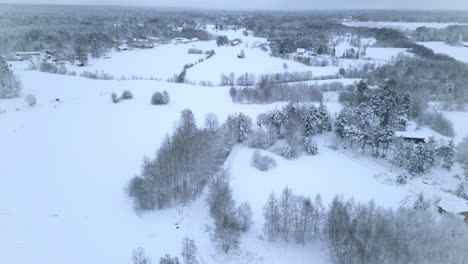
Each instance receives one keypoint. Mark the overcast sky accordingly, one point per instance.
(269, 4)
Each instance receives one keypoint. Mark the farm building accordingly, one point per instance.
(301, 51)
(453, 205)
(235, 43)
(414, 137)
(154, 39)
(24, 55)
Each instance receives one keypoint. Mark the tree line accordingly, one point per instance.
(363, 233)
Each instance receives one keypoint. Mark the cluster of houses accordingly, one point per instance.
(179, 40)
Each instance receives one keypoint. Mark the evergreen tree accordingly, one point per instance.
(460, 191)
(417, 163)
(342, 122)
(404, 111)
(386, 106)
(324, 119)
(311, 121)
(361, 92)
(420, 204)
(447, 153)
(10, 86)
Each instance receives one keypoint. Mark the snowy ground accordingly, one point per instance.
(403, 26)
(459, 53)
(65, 164)
(459, 124)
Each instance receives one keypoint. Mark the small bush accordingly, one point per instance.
(166, 97)
(30, 100)
(263, 163)
(402, 179)
(48, 67)
(310, 147)
(127, 95)
(159, 98)
(114, 98)
(285, 150)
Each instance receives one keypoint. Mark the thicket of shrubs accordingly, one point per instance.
(263, 163)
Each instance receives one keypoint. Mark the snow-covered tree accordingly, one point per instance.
(404, 111)
(421, 203)
(10, 86)
(311, 121)
(418, 163)
(361, 92)
(342, 121)
(138, 257)
(310, 147)
(447, 153)
(460, 191)
(166, 97)
(244, 216)
(271, 213)
(167, 259)
(239, 127)
(189, 251)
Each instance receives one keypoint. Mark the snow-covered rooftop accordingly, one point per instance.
(453, 204)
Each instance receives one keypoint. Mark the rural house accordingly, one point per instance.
(453, 205)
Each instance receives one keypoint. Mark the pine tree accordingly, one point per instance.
(460, 191)
(324, 119)
(311, 123)
(417, 162)
(447, 153)
(361, 92)
(386, 105)
(342, 122)
(420, 204)
(404, 111)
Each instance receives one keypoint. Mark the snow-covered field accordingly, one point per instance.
(459, 53)
(65, 164)
(403, 26)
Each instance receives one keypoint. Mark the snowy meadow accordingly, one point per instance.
(147, 135)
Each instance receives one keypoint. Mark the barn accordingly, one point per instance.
(23, 55)
(414, 137)
(301, 51)
(453, 205)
